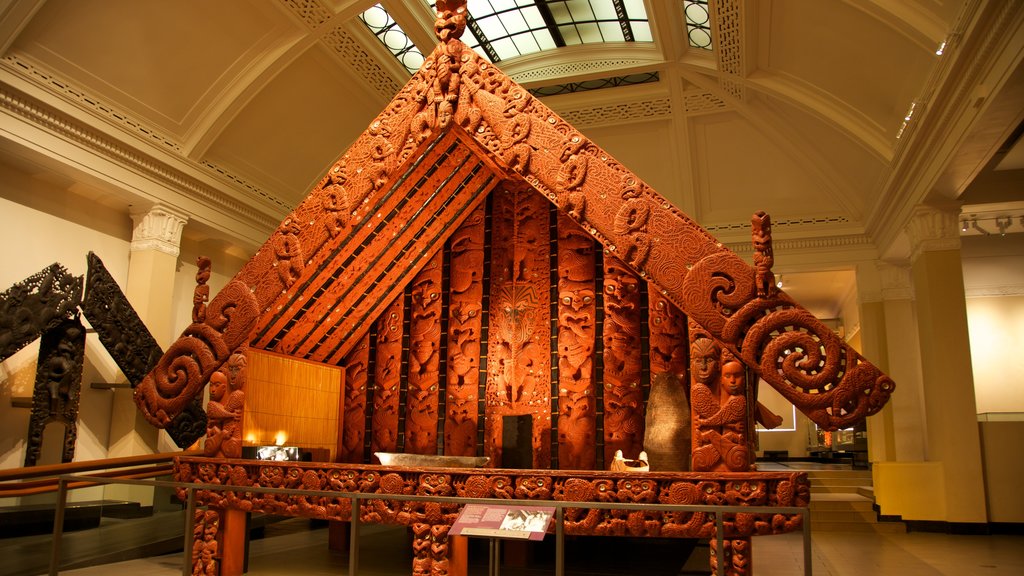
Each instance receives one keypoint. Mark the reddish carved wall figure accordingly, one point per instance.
(623, 370)
(424, 360)
(465, 321)
(354, 421)
(577, 333)
(387, 379)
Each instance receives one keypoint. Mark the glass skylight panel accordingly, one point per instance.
(502, 29)
(394, 39)
(698, 23)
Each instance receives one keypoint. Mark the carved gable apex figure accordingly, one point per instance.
(456, 131)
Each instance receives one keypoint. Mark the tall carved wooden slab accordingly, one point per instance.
(519, 331)
(577, 334)
(465, 317)
(669, 346)
(623, 369)
(57, 388)
(133, 347)
(387, 380)
(36, 304)
(357, 365)
(421, 416)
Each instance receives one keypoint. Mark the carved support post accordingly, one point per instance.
(387, 379)
(424, 359)
(623, 370)
(354, 415)
(465, 315)
(577, 334)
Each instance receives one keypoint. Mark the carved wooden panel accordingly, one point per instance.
(387, 380)
(465, 315)
(430, 520)
(57, 388)
(36, 304)
(577, 334)
(623, 367)
(356, 366)
(421, 416)
(117, 325)
(519, 330)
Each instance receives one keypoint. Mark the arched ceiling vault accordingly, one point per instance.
(231, 111)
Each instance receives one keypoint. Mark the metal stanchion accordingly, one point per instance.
(808, 568)
(559, 542)
(720, 538)
(353, 538)
(58, 525)
(190, 526)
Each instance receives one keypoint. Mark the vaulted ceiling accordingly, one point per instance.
(835, 116)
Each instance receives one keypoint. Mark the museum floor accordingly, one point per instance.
(297, 546)
(384, 552)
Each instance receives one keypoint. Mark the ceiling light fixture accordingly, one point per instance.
(963, 225)
(941, 48)
(974, 224)
(1003, 222)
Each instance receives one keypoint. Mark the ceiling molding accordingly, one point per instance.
(948, 108)
(79, 135)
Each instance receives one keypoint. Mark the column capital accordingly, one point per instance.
(158, 228)
(896, 281)
(933, 228)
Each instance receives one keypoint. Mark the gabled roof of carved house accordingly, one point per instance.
(458, 129)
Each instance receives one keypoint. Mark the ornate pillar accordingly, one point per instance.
(151, 268)
(952, 436)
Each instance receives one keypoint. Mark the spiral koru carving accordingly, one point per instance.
(794, 352)
(185, 368)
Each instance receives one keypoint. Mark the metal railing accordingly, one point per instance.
(71, 481)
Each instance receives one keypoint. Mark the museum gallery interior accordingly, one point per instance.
(347, 265)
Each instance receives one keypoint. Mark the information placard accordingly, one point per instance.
(497, 521)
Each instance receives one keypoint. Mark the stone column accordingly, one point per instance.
(952, 435)
(151, 268)
(890, 340)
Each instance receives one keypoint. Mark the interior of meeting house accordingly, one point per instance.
(521, 287)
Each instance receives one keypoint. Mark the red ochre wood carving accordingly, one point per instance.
(577, 333)
(465, 317)
(387, 380)
(421, 403)
(789, 489)
(354, 423)
(225, 409)
(519, 356)
(375, 213)
(623, 369)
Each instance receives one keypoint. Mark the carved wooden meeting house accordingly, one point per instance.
(473, 266)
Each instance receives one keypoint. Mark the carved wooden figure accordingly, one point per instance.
(225, 408)
(57, 388)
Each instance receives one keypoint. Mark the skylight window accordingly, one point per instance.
(503, 29)
(698, 23)
(393, 37)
